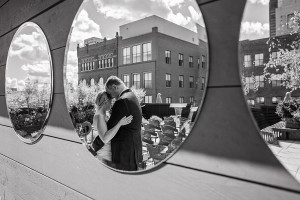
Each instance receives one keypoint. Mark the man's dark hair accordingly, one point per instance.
(113, 80)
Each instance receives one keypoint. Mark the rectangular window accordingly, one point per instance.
(202, 83)
(247, 61)
(168, 57)
(191, 81)
(260, 81)
(168, 80)
(126, 55)
(136, 54)
(93, 65)
(251, 102)
(191, 99)
(198, 62)
(250, 82)
(276, 81)
(203, 62)
(136, 80)
(260, 100)
(148, 80)
(180, 59)
(112, 62)
(126, 80)
(82, 67)
(108, 62)
(148, 99)
(181, 99)
(181, 81)
(168, 100)
(276, 100)
(191, 63)
(147, 52)
(259, 59)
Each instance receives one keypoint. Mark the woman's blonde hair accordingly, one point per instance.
(100, 100)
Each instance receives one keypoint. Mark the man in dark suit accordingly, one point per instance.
(126, 146)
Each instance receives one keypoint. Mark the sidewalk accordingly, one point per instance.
(288, 153)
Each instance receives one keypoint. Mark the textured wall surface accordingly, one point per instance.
(223, 158)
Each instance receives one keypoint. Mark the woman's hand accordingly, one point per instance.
(126, 120)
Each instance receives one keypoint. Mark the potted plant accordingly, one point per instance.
(289, 111)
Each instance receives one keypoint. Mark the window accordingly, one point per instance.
(203, 61)
(126, 80)
(181, 81)
(260, 100)
(148, 80)
(168, 80)
(168, 57)
(93, 65)
(259, 59)
(181, 99)
(92, 81)
(276, 81)
(102, 64)
(147, 52)
(148, 99)
(250, 82)
(126, 55)
(191, 81)
(168, 100)
(202, 83)
(191, 99)
(108, 62)
(198, 62)
(251, 102)
(101, 81)
(276, 99)
(136, 80)
(191, 61)
(180, 58)
(82, 67)
(260, 81)
(136, 54)
(247, 61)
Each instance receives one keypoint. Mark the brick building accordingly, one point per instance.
(154, 54)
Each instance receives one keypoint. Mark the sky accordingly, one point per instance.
(28, 57)
(101, 18)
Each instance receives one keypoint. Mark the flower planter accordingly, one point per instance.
(292, 123)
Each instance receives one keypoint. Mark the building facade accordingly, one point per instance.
(154, 54)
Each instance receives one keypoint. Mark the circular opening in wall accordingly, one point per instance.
(269, 50)
(28, 85)
(135, 78)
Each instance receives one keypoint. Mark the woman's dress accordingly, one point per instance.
(105, 152)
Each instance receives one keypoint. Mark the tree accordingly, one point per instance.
(285, 58)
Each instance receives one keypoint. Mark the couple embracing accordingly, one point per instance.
(119, 141)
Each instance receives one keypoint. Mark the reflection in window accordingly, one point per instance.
(147, 52)
(180, 59)
(126, 55)
(168, 80)
(168, 57)
(259, 59)
(136, 80)
(126, 79)
(136, 53)
(247, 61)
(168, 99)
(181, 81)
(148, 80)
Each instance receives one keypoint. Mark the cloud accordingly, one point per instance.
(84, 28)
(14, 83)
(176, 11)
(255, 28)
(29, 47)
(263, 2)
(38, 70)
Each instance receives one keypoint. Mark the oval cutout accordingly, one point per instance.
(28, 85)
(160, 52)
(268, 48)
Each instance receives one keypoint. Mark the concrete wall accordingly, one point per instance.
(223, 158)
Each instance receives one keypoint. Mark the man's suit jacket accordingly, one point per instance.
(126, 146)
